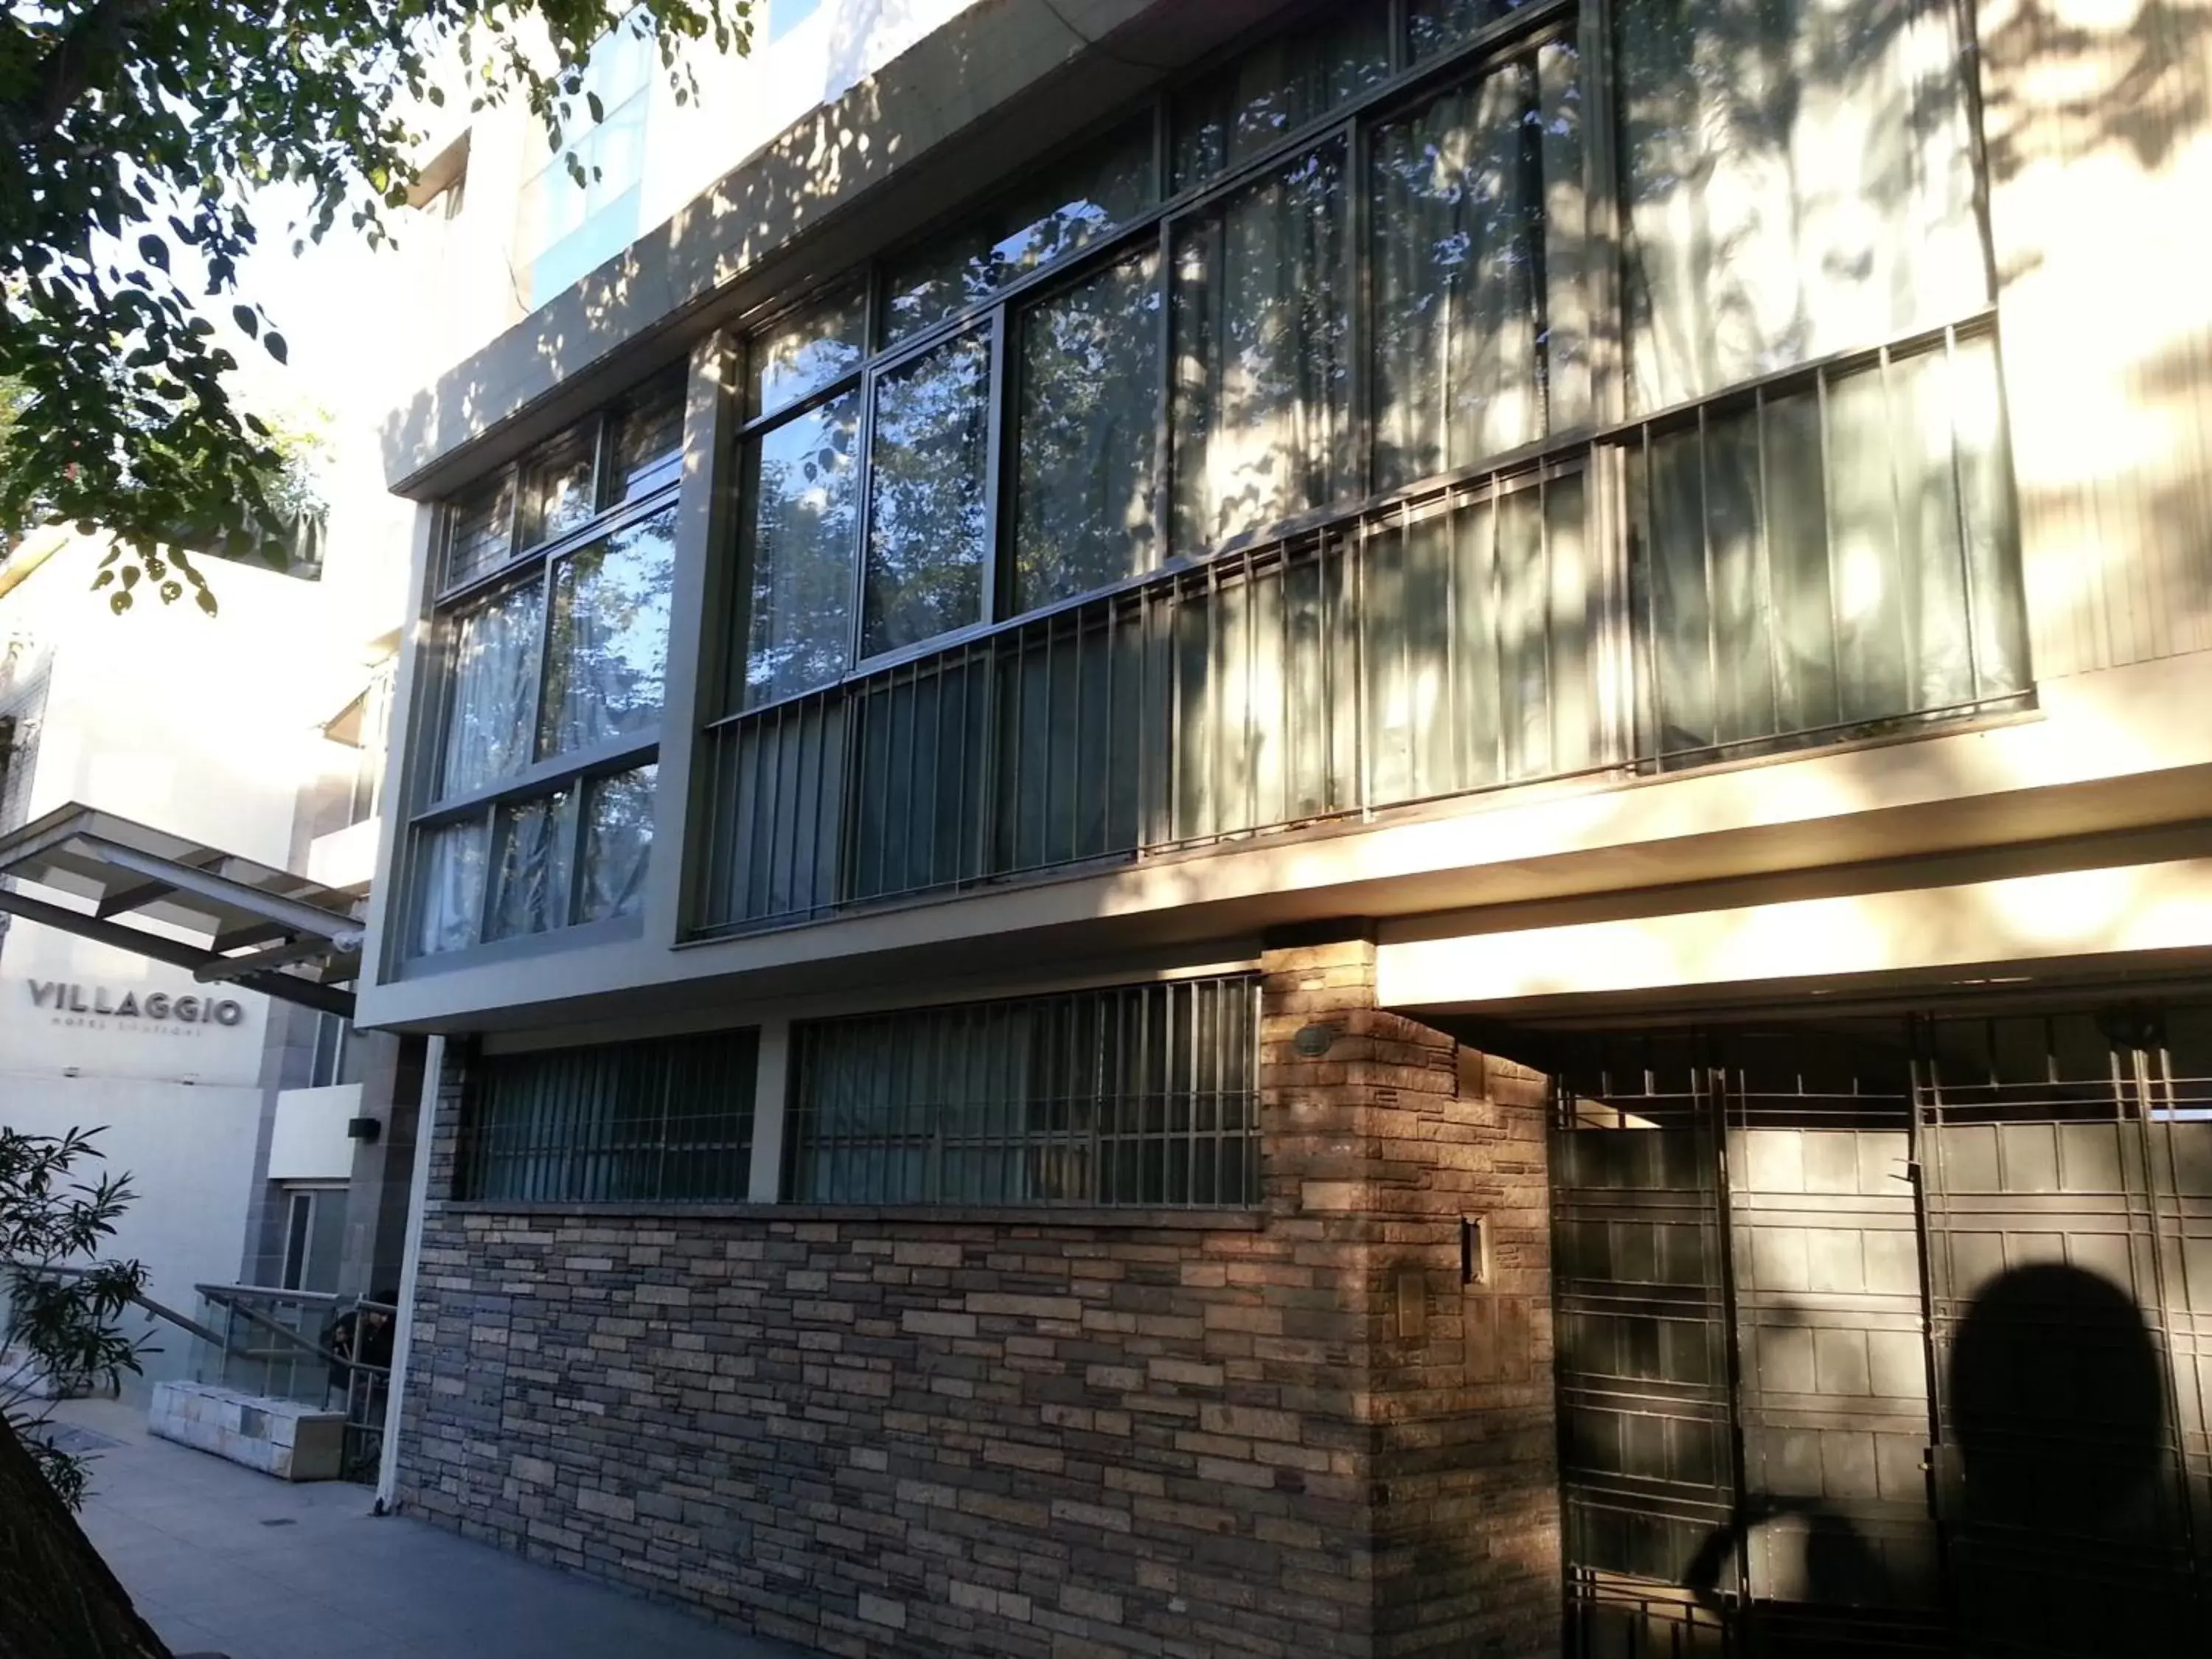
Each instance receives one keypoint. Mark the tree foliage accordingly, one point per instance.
(135, 136)
(60, 1334)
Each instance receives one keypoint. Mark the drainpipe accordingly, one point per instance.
(403, 1336)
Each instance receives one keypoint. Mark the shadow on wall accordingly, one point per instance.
(2057, 1490)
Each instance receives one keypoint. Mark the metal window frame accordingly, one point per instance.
(1405, 85)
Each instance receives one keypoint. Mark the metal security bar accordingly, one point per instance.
(1445, 645)
(1142, 1095)
(664, 1121)
(1824, 553)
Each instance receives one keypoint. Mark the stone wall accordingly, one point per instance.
(1287, 1431)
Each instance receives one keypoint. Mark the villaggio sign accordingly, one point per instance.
(82, 1004)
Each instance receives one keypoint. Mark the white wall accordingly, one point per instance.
(189, 1151)
(204, 726)
(474, 291)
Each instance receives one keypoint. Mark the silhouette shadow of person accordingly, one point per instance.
(2060, 1493)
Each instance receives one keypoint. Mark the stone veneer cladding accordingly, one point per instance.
(922, 1432)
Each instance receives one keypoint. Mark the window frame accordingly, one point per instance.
(1408, 84)
(619, 504)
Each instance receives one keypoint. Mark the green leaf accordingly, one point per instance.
(249, 324)
(153, 250)
(278, 348)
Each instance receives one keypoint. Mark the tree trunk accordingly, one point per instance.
(58, 1599)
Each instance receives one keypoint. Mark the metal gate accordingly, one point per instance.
(1887, 1337)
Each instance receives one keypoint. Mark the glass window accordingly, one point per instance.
(649, 439)
(1074, 205)
(480, 532)
(668, 1120)
(805, 352)
(1262, 428)
(1800, 181)
(926, 538)
(1277, 87)
(567, 229)
(1780, 585)
(1139, 1094)
(1084, 509)
(607, 639)
(495, 683)
(785, 16)
(1467, 282)
(1435, 25)
(796, 548)
(617, 849)
(531, 866)
(449, 887)
(556, 487)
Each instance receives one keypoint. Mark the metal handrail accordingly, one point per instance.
(230, 1297)
(159, 1310)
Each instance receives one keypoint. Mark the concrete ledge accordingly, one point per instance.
(283, 1437)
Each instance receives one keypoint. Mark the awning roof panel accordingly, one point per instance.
(265, 928)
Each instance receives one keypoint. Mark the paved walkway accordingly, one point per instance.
(220, 1558)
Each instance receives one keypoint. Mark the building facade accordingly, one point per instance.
(1354, 830)
(234, 1133)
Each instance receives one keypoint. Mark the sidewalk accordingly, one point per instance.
(220, 1558)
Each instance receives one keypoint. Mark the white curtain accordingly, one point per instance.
(451, 887)
(1794, 575)
(1263, 426)
(529, 879)
(1800, 181)
(490, 724)
(617, 845)
(1459, 197)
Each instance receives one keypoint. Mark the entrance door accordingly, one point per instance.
(1806, 1373)
(1890, 1337)
(2068, 1178)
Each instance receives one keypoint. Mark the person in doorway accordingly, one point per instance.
(360, 1338)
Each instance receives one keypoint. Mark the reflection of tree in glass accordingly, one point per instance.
(1074, 206)
(1799, 179)
(618, 845)
(1263, 412)
(925, 530)
(1277, 86)
(1458, 207)
(805, 352)
(530, 877)
(796, 548)
(609, 637)
(1089, 375)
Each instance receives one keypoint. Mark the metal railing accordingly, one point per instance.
(299, 1345)
(1822, 556)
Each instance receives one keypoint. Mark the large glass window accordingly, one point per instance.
(1075, 204)
(927, 481)
(540, 811)
(1145, 1094)
(1305, 489)
(1262, 411)
(1089, 421)
(799, 481)
(568, 227)
(664, 1121)
(1265, 94)
(1800, 181)
(1480, 346)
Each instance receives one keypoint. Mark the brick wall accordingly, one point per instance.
(921, 1433)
